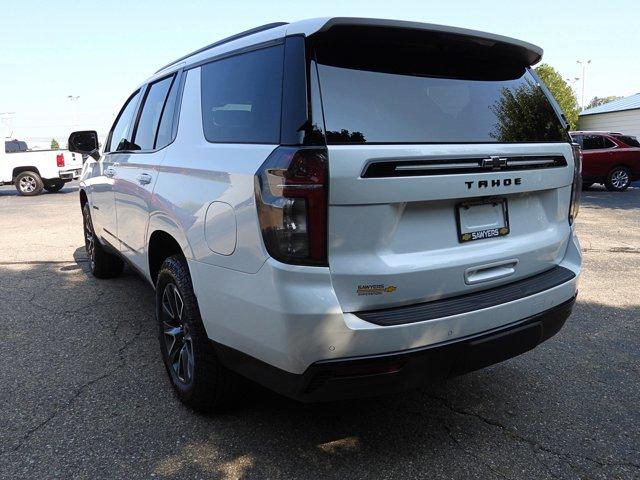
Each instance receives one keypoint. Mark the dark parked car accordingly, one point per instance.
(610, 158)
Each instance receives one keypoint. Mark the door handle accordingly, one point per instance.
(144, 179)
(110, 171)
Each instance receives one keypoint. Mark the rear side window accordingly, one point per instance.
(165, 131)
(152, 109)
(387, 90)
(15, 146)
(241, 97)
(593, 142)
(628, 140)
(120, 137)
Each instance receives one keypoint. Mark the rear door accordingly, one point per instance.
(597, 154)
(447, 174)
(137, 170)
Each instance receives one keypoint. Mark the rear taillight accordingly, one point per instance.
(60, 159)
(291, 195)
(576, 188)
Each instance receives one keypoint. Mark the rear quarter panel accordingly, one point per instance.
(196, 173)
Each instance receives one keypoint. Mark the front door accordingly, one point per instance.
(103, 210)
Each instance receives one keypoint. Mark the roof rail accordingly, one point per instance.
(246, 33)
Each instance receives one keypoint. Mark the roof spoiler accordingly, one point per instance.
(524, 52)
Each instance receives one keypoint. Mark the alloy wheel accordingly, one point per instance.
(28, 184)
(177, 337)
(620, 178)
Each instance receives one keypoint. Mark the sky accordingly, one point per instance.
(100, 52)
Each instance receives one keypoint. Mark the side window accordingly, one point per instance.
(593, 142)
(577, 139)
(154, 101)
(165, 131)
(242, 97)
(608, 143)
(120, 136)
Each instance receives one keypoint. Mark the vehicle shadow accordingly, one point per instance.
(597, 196)
(92, 385)
(9, 190)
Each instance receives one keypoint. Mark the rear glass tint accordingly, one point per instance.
(241, 97)
(396, 93)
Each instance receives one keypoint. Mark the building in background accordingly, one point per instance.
(622, 115)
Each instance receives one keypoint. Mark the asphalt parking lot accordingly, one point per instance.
(84, 393)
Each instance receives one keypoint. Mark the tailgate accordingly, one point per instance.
(72, 161)
(395, 240)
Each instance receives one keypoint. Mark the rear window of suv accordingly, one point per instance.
(375, 92)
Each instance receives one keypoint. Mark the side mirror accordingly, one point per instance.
(85, 142)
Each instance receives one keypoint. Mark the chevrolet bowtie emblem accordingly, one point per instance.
(494, 162)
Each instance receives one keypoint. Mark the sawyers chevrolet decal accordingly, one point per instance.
(375, 289)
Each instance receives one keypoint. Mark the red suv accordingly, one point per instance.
(610, 158)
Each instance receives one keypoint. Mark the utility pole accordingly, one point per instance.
(584, 73)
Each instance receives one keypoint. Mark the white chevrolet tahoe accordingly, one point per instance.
(340, 207)
(34, 171)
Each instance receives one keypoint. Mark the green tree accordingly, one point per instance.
(561, 91)
(597, 101)
(54, 144)
(524, 114)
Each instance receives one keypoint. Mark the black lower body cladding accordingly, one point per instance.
(392, 372)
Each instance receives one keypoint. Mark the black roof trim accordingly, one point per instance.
(246, 33)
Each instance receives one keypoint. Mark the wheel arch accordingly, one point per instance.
(162, 244)
(620, 165)
(83, 198)
(18, 170)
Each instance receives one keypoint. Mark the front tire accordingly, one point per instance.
(198, 378)
(618, 179)
(103, 264)
(29, 184)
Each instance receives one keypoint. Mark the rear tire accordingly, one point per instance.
(103, 264)
(29, 184)
(198, 378)
(618, 179)
(54, 186)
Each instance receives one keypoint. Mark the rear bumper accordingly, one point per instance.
(392, 372)
(69, 175)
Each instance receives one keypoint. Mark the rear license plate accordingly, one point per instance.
(482, 220)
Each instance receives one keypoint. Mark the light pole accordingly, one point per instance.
(73, 99)
(572, 81)
(6, 118)
(584, 73)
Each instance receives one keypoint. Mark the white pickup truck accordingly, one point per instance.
(34, 171)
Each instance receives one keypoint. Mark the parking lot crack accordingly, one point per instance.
(62, 408)
(481, 460)
(532, 442)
